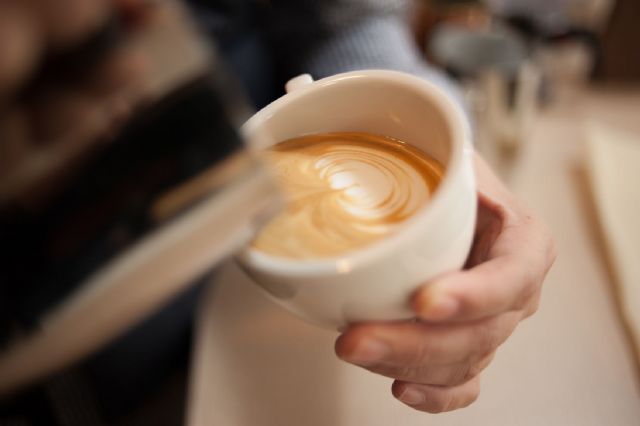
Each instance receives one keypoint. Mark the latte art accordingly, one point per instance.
(344, 191)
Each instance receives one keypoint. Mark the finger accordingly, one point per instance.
(437, 399)
(486, 290)
(533, 305)
(437, 375)
(422, 352)
(512, 275)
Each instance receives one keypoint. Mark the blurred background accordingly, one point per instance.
(553, 91)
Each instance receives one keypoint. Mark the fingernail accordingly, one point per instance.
(369, 352)
(412, 396)
(438, 306)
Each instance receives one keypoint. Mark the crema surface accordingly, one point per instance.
(344, 191)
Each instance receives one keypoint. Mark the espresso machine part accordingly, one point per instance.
(141, 219)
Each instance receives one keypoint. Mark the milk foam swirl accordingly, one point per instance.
(344, 190)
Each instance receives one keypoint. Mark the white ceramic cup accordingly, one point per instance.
(374, 282)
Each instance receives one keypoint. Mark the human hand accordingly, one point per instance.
(43, 133)
(464, 316)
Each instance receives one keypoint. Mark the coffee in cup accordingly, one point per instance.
(344, 190)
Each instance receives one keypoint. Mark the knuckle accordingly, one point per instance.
(450, 403)
(449, 399)
(468, 371)
(475, 369)
(420, 374)
(552, 250)
(532, 307)
(530, 285)
(423, 353)
(459, 374)
(487, 338)
(402, 372)
(472, 396)
(440, 402)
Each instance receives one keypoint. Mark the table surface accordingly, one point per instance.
(570, 364)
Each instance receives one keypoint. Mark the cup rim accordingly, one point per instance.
(460, 133)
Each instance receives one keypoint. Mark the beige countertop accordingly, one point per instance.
(571, 364)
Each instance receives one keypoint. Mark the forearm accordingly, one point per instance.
(328, 37)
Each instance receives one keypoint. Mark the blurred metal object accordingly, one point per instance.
(468, 52)
(428, 15)
(555, 16)
(144, 215)
(503, 79)
(509, 118)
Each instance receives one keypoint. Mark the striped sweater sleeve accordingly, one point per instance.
(325, 37)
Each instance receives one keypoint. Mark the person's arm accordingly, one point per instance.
(326, 37)
(464, 316)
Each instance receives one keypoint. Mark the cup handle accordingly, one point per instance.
(298, 82)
